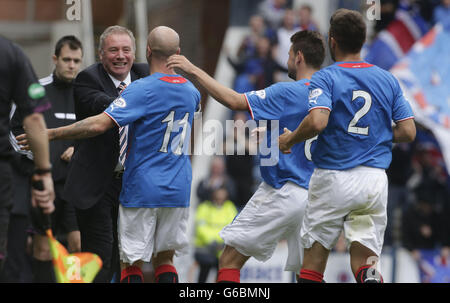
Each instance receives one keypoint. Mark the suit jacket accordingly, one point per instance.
(92, 166)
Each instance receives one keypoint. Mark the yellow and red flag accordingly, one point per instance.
(79, 267)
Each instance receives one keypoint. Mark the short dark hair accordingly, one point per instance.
(73, 42)
(312, 46)
(348, 28)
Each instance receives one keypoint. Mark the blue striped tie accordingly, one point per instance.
(123, 133)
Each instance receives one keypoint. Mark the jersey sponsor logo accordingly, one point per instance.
(36, 91)
(314, 94)
(260, 93)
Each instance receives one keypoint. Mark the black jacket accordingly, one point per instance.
(92, 166)
(62, 113)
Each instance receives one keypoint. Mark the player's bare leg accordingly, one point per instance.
(363, 262)
(165, 272)
(230, 263)
(314, 263)
(131, 273)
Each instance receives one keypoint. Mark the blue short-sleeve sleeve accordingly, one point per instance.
(401, 109)
(320, 92)
(129, 106)
(265, 104)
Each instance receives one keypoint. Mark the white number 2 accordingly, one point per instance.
(359, 114)
(170, 121)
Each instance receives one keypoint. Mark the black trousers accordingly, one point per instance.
(5, 204)
(17, 266)
(98, 230)
(206, 262)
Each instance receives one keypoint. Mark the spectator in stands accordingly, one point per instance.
(306, 21)
(273, 12)
(429, 169)
(258, 29)
(284, 34)
(387, 14)
(420, 224)
(211, 216)
(445, 223)
(256, 72)
(217, 178)
(398, 174)
(240, 163)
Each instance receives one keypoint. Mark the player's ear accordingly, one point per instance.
(332, 42)
(178, 51)
(55, 59)
(149, 51)
(299, 58)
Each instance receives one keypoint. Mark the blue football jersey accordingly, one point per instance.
(286, 102)
(364, 100)
(159, 110)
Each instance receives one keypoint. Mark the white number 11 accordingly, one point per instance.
(170, 121)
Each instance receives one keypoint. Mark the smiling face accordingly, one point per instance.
(117, 55)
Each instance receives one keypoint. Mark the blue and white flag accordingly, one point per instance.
(392, 43)
(424, 74)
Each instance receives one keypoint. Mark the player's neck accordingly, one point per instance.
(348, 57)
(160, 67)
(305, 73)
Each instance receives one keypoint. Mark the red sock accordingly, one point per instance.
(166, 274)
(232, 275)
(131, 274)
(310, 276)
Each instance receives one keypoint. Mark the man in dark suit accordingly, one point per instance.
(95, 176)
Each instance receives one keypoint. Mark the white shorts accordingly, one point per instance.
(352, 200)
(144, 232)
(269, 216)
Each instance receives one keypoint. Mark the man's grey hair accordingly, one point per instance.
(116, 29)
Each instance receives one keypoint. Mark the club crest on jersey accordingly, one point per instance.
(259, 93)
(120, 102)
(314, 94)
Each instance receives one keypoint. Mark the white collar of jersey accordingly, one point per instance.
(116, 82)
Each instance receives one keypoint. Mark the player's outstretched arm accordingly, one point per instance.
(313, 124)
(404, 131)
(221, 93)
(86, 128)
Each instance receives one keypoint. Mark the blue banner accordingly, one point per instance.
(424, 74)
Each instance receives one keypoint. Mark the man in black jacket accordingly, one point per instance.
(18, 83)
(59, 88)
(94, 180)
